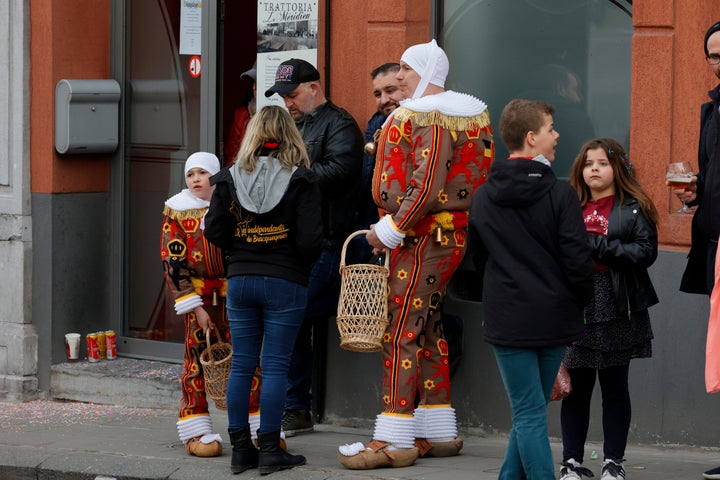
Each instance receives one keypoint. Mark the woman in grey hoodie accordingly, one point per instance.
(265, 215)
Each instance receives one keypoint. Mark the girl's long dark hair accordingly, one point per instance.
(625, 182)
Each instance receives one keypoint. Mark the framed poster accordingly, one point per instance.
(286, 29)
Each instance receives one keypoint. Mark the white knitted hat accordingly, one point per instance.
(205, 160)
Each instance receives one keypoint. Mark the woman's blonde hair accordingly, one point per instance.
(272, 124)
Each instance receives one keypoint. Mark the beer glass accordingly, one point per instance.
(679, 175)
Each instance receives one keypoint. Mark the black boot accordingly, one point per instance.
(244, 453)
(274, 458)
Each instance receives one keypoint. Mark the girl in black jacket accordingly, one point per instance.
(621, 223)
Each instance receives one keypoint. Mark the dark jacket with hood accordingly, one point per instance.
(266, 221)
(629, 248)
(538, 270)
(706, 221)
(334, 144)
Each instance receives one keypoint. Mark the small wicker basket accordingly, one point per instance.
(362, 315)
(216, 360)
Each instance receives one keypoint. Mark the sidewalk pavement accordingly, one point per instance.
(43, 440)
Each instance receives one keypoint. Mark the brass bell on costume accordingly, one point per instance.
(371, 147)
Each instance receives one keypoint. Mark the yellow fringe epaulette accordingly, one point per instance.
(184, 214)
(424, 119)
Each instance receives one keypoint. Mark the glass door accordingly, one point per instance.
(168, 113)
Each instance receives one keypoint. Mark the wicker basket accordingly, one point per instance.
(362, 315)
(216, 361)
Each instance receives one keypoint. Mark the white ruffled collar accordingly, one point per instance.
(186, 201)
(449, 102)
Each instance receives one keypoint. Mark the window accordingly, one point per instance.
(575, 54)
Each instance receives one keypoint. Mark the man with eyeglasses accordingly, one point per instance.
(699, 276)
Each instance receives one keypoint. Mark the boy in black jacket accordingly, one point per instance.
(528, 234)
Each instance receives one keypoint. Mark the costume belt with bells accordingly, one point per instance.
(437, 222)
(207, 286)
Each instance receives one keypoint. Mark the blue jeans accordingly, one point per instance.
(265, 314)
(528, 375)
(322, 299)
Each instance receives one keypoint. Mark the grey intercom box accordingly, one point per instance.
(86, 116)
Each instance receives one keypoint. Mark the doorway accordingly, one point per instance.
(176, 101)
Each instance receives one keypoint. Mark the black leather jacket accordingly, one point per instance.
(335, 145)
(706, 220)
(629, 248)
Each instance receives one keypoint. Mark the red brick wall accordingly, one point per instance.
(364, 38)
(670, 80)
(70, 40)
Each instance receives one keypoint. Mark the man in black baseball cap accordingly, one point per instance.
(290, 74)
(334, 145)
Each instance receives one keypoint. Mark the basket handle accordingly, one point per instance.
(347, 242)
(208, 334)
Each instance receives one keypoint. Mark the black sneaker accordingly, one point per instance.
(573, 470)
(612, 470)
(296, 421)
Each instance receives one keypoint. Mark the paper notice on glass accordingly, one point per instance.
(286, 29)
(190, 27)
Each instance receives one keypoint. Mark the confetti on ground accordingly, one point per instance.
(15, 416)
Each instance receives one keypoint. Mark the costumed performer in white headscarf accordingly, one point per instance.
(434, 151)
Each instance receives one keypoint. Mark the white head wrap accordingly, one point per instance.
(206, 161)
(430, 62)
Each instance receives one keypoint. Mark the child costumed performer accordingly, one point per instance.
(195, 276)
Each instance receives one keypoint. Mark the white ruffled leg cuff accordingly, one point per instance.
(194, 427)
(398, 430)
(254, 421)
(437, 424)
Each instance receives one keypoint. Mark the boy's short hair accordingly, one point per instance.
(519, 117)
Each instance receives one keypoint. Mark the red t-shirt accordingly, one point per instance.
(596, 214)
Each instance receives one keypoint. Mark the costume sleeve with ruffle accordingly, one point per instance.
(174, 251)
(419, 147)
(183, 250)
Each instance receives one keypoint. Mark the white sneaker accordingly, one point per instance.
(712, 474)
(573, 470)
(612, 470)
